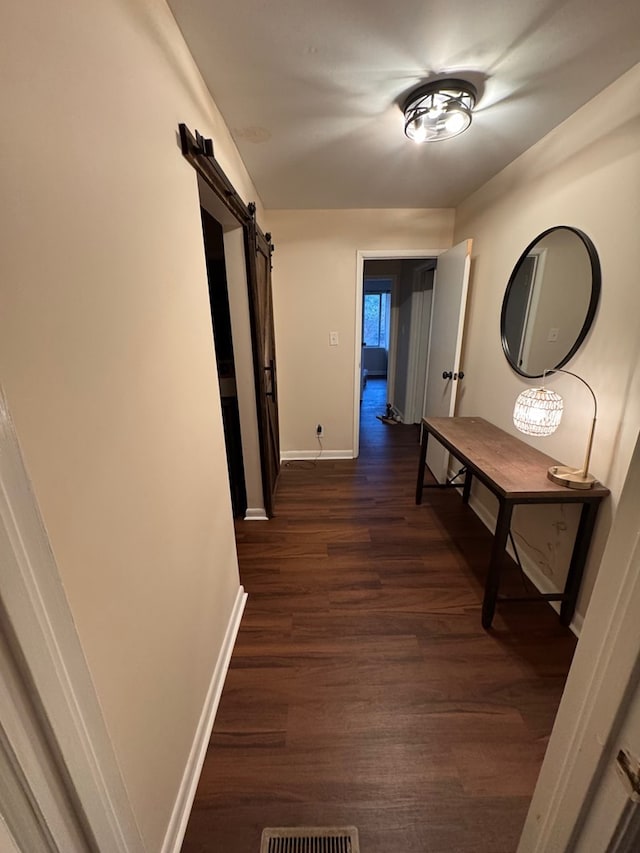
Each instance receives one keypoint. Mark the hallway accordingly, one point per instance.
(362, 688)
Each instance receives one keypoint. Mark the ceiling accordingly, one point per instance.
(310, 88)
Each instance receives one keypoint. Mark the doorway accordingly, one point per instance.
(394, 316)
(245, 437)
(223, 342)
(428, 303)
(247, 259)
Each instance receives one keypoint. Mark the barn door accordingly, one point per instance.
(261, 308)
(199, 152)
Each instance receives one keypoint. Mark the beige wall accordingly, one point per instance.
(314, 285)
(107, 361)
(586, 173)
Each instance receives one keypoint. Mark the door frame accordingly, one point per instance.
(221, 283)
(235, 257)
(363, 255)
(39, 626)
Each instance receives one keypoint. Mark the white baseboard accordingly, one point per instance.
(293, 455)
(187, 791)
(542, 583)
(255, 514)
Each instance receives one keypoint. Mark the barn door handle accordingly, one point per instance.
(272, 392)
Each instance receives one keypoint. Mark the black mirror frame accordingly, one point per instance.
(596, 286)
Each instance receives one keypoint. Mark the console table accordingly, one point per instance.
(515, 473)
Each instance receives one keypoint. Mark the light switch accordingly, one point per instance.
(553, 335)
(333, 339)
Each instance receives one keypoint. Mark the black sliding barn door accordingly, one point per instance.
(261, 305)
(199, 152)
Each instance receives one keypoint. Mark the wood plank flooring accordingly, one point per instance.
(362, 689)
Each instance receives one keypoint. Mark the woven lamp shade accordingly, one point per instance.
(538, 411)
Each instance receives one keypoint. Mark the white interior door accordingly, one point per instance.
(612, 819)
(612, 822)
(447, 325)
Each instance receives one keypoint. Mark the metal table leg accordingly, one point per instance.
(578, 560)
(421, 465)
(492, 583)
(466, 489)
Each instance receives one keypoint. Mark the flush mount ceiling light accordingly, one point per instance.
(439, 110)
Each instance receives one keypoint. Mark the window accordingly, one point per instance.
(375, 323)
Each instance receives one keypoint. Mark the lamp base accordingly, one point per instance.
(569, 477)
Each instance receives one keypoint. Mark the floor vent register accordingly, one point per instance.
(306, 839)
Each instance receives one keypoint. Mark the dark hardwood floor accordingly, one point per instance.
(362, 688)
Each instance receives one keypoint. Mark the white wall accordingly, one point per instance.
(314, 292)
(107, 360)
(586, 173)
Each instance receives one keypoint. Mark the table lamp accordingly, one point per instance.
(538, 411)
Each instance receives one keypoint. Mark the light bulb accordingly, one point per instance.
(418, 131)
(455, 121)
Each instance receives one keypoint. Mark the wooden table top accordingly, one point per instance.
(509, 466)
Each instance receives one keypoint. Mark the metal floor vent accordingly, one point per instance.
(307, 839)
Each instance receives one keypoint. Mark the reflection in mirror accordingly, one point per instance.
(550, 301)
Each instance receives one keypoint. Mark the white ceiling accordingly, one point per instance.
(310, 88)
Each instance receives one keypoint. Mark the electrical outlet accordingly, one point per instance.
(319, 431)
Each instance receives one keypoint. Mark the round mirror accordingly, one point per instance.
(550, 301)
